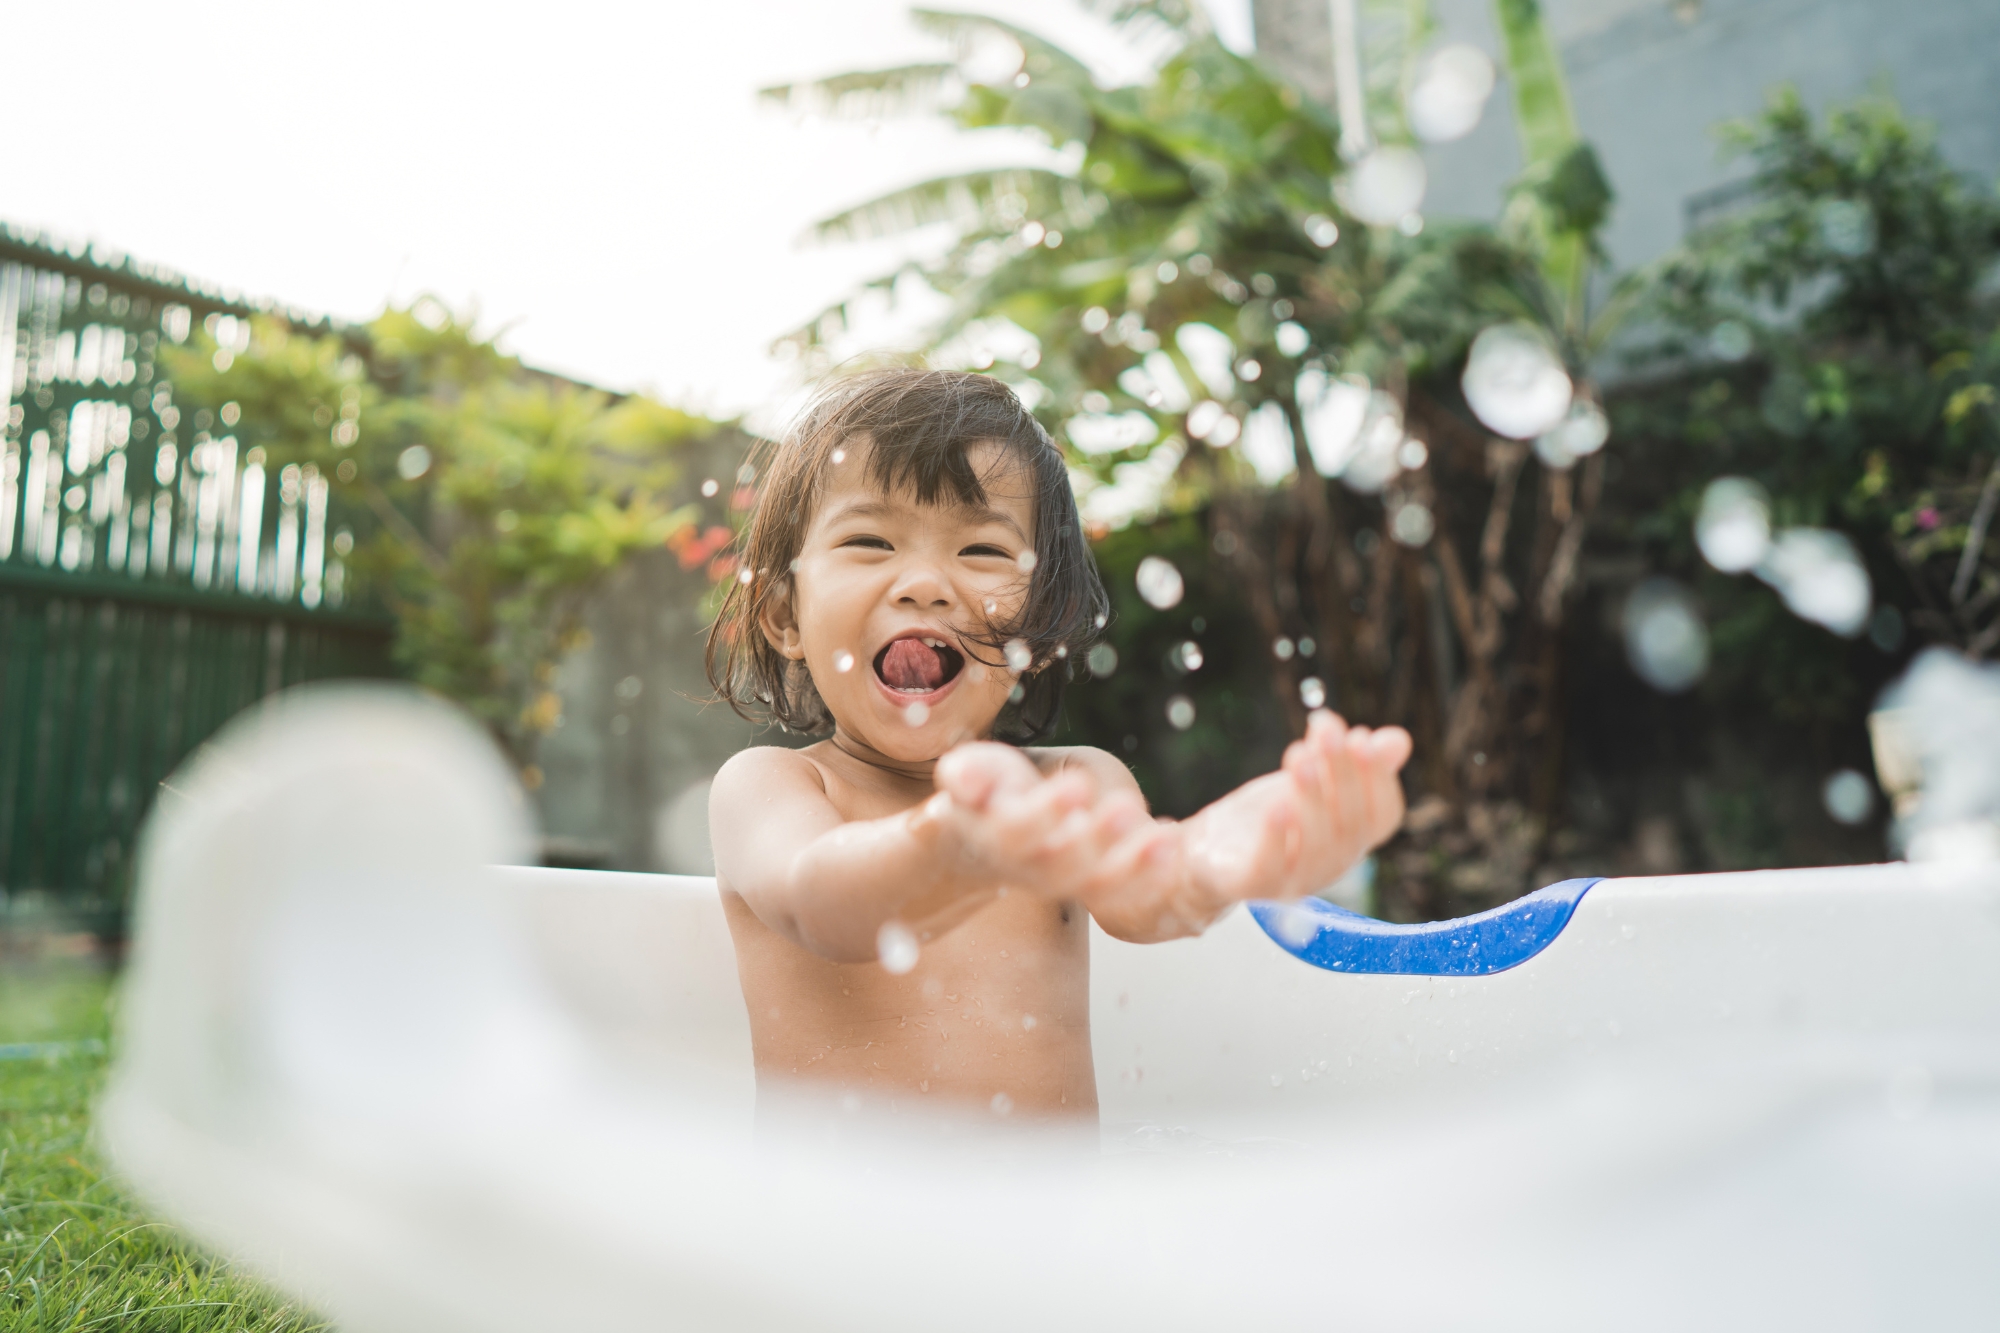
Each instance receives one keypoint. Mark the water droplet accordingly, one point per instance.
(1296, 925)
(839, 455)
(1277, 1080)
(1412, 524)
(1412, 454)
(710, 487)
(1449, 93)
(1321, 230)
(1514, 382)
(1027, 560)
(413, 462)
(991, 606)
(896, 948)
(1312, 692)
(843, 661)
(1160, 583)
(1849, 797)
(1292, 339)
(1452, 1056)
(1180, 712)
(1099, 620)
(1733, 527)
(1665, 637)
(1028, 1022)
(917, 714)
(1821, 578)
(1019, 655)
(1385, 186)
(1579, 434)
(1002, 1104)
(1283, 649)
(746, 577)
(1188, 653)
(1102, 660)
(1016, 694)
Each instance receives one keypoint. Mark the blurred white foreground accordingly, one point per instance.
(428, 1094)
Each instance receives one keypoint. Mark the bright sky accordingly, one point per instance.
(598, 178)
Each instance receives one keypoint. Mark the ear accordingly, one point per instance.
(780, 626)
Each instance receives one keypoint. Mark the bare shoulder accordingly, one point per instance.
(763, 768)
(1107, 769)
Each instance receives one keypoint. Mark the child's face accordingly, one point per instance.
(884, 588)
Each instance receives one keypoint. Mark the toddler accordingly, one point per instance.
(909, 897)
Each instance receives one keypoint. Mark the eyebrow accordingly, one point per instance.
(882, 509)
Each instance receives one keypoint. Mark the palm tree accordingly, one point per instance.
(1187, 273)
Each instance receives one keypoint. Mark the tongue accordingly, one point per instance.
(910, 665)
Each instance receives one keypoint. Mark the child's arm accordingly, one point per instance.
(1284, 835)
(830, 885)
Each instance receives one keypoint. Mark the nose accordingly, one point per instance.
(920, 585)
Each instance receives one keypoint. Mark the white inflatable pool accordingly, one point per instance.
(429, 1094)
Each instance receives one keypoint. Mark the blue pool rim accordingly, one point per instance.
(1315, 931)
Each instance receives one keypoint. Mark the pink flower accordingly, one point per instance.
(1927, 518)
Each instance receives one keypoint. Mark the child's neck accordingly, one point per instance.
(915, 773)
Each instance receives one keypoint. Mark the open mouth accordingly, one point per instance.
(918, 665)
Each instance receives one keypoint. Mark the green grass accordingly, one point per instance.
(77, 1252)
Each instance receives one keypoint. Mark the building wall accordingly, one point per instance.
(1651, 79)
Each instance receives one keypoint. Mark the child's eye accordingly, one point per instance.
(983, 549)
(869, 543)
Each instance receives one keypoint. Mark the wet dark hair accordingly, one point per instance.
(916, 426)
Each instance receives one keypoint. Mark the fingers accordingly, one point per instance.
(974, 773)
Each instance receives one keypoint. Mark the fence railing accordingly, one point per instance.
(154, 577)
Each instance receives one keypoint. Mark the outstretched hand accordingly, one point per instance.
(1295, 831)
(1284, 835)
(1049, 836)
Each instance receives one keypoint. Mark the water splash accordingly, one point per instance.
(1187, 655)
(1849, 797)
(1102, 660)
(1160, 583)
(1384, 187)
(1666, 639)
(1312, 692)
(1942, 720)
(1733, 527)
(916, 714)
(1578, 435)
(1820, 575)
(896, 948)
(1180, 712)
(1514, 382)
(1019, 655)
(1413, 524)
(1449, 94)
(843, 661)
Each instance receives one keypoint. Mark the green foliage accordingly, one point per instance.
(77, 1252)
(482, 501)
(1841, 338)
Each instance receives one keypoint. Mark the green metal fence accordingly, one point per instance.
(154, 581)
